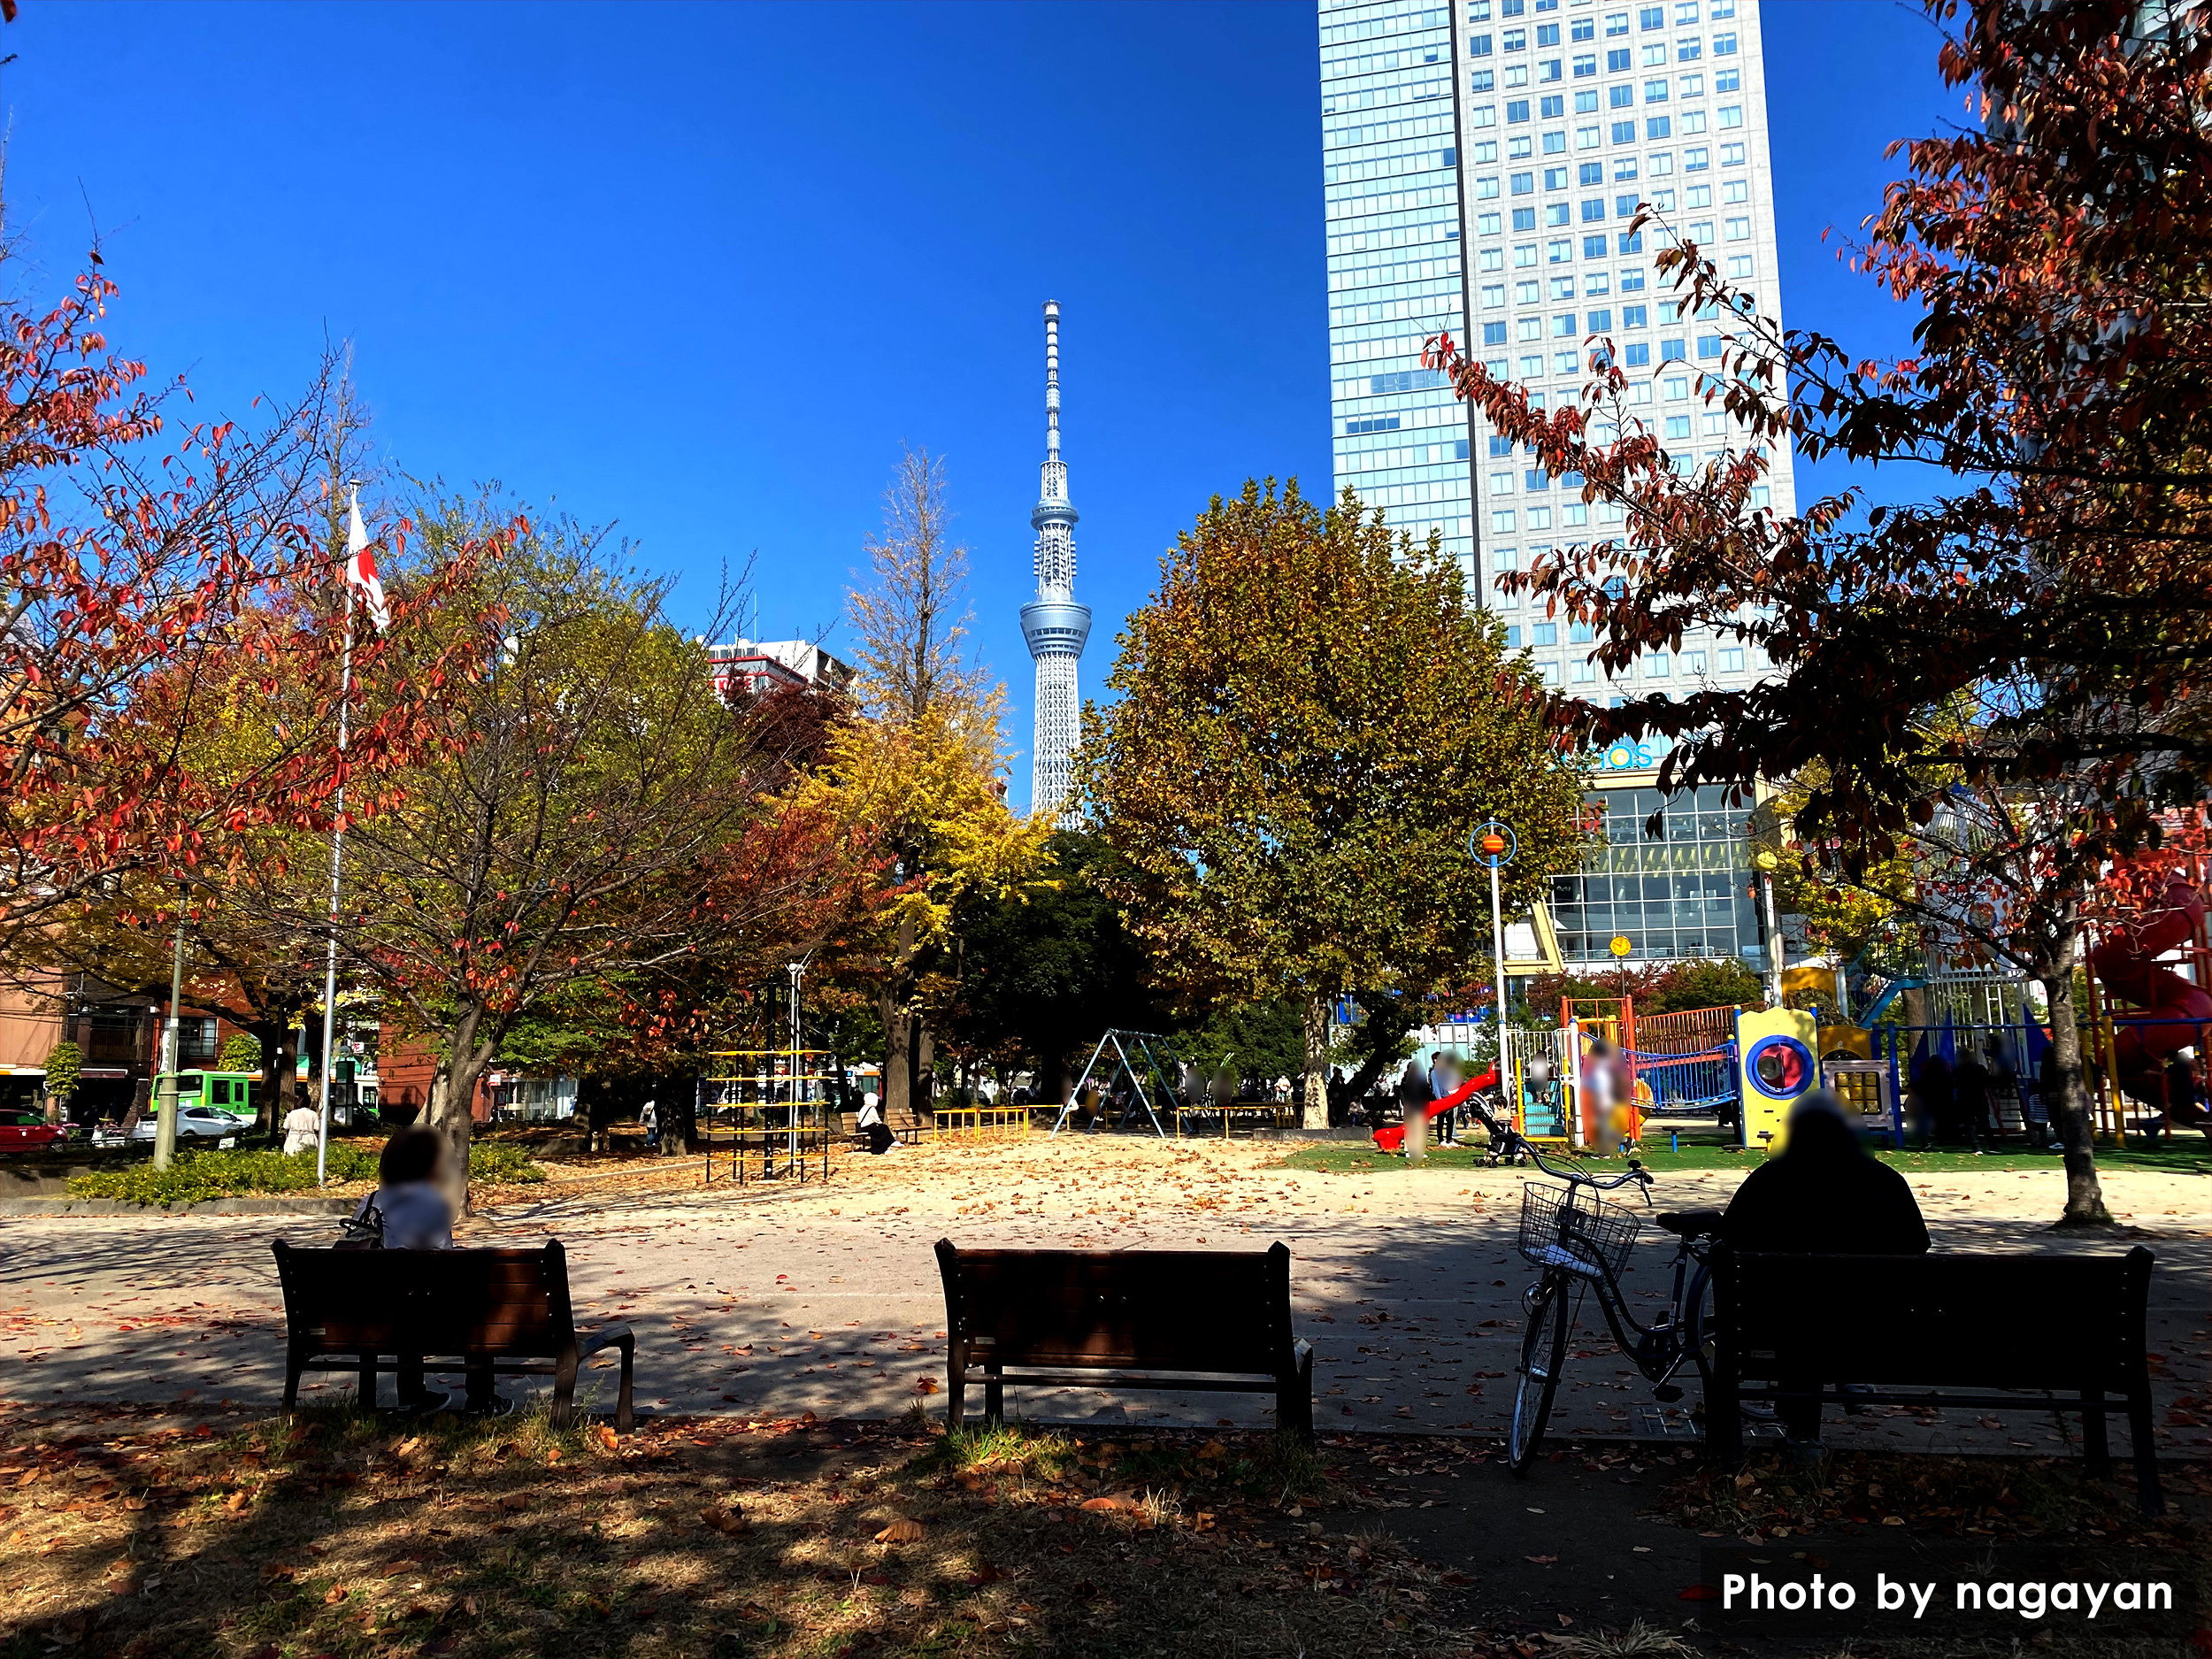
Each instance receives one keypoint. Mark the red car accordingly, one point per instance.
(29, 1132)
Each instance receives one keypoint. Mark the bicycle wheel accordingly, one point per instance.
(1543, 1356)
(1698, 1327)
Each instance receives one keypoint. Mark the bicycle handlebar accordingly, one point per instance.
(1510, 1139)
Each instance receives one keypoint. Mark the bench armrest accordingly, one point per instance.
(606, 1337)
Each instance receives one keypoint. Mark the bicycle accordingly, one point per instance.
(1582, 1243)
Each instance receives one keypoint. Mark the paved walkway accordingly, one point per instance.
(774, 1302)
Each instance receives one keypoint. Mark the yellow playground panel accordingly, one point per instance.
(1778, 1067)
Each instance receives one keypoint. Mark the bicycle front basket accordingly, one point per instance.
(1573, 1230)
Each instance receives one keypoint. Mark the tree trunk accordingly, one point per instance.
(1315, 1113)
(922, 1046)
(2076, 1135)
(898, 1035)
(452, 1109)
(279, 1061)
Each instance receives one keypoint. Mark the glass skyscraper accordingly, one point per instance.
(1482, 163)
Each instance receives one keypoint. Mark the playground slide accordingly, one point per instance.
(1392, 1137)
(2127, 962)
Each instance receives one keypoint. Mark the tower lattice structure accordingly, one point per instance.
(1055, 626)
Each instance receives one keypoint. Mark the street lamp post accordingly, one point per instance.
(165, 1121)
(1494, 844)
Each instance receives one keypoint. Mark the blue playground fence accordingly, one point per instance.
(1701, 1085)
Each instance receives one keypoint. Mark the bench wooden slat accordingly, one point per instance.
(346, 1310)
(1113, 1319)
(1943, 1331)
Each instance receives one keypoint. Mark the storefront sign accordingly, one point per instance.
(1626, 755)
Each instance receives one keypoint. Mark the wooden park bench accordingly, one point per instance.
(1185, 1321)
(483, 1313)
(2054, 1332)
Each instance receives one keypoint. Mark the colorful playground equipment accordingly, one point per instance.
(1392, 1137)
(1777, 1067)
(2164, 1013)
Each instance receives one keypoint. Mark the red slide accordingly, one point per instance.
(1392, 1137)
(2127, 962)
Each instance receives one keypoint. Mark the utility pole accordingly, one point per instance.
(165, 1123)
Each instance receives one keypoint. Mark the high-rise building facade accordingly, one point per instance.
(1054, 624)
(1483, 162)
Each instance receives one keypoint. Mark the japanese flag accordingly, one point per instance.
(361, 569)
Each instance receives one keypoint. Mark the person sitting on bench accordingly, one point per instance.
(413, 1209)
(1822, 1194)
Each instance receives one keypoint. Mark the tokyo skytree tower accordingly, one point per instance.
(1055, 626)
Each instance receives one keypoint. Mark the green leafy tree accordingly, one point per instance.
(65, 1069)
(1311, 719)
(1045, 967)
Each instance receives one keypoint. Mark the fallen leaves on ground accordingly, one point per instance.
(792, 1537)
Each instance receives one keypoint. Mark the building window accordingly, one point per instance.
(1633, 316)
(1514, 41)
(1656, 665)
(1728, 80)
(1693, 159)
(1658, 127)
(1636, 355)
(1655, 92)
(1708, 345)
(1517, 110)
(1688, 51)
(1736, 229)
(1632, 241)
(1524, 184)
(1623, 97)
(1585, 65)
(1623, 131)
(1487, 225)
(1731, 115)
(1543, 634)
(1724, 44)
(1672, 351)
(1619, 61)
(1593, 247)
(1731, 662)
(1652, 18)
(1493, 334)
(1739, 264)
(1502, 523)
(1730, 155)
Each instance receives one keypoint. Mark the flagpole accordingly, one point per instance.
(337, 854)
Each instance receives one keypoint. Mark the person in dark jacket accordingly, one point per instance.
(1822, 1194)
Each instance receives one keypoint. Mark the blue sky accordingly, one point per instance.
(700, 271)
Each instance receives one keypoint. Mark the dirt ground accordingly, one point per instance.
(153, 1533)
(767, 1302)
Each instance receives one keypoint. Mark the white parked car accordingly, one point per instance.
(194, 1123)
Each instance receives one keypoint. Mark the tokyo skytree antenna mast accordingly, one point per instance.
(1054, 624)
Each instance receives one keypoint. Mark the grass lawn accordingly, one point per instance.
(2190, 1156)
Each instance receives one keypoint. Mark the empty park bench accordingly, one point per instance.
(1184, 1321)
(483, 1313)
(2054, 1332)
